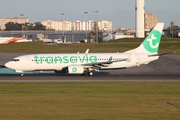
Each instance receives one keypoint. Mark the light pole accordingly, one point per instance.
(62, 26)
(96, 27)
(86, 25)
(22, 23)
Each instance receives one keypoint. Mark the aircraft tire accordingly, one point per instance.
(90, 73)
(22, 74)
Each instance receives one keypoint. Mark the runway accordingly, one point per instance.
(95, 78)
(165, 69)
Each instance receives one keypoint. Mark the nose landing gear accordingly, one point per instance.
(22, 74)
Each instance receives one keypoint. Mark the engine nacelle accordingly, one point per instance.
(75, 69)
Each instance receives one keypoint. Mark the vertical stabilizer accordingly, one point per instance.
(152, 41)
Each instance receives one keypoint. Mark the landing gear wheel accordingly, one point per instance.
(22, 74)
(90, 73)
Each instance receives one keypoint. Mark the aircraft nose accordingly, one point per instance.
(9, 64)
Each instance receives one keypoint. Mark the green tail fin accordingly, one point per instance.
(152, 41)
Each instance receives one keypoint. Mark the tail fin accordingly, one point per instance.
(152, 41)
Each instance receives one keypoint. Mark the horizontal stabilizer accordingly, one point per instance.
(160, 54)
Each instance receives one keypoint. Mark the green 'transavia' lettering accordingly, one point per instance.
(65, 59)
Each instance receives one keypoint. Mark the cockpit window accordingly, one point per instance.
(15, 60)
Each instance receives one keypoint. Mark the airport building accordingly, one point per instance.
(4, 21)
(105, 26)
(57, 25)
(150, 21)
(76, 25)
(82, 26)
(73, 31)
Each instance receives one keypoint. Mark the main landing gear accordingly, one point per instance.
(89, 73)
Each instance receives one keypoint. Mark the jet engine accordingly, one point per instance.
(74, 69)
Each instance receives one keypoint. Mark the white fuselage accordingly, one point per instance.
(56, 62)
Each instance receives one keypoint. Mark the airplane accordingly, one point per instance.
(6, 40)
(86, 63)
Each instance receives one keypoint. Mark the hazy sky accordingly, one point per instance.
(120, 12)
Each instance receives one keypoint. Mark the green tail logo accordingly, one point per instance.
(74, 69)
(151, 43)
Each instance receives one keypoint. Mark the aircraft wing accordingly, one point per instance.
(102, 64)
(110, 61)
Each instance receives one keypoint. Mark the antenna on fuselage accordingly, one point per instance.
(87, 51)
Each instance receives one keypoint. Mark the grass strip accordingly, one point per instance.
(121, 45)
(90, 101)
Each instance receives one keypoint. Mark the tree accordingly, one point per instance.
(171, 29)
(13, 26)
(172, 26)
(96, 29)
(26, 26)
(38, 26)
(93, 34)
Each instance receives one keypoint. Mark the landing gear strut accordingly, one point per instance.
(87, 72)
(84, 73)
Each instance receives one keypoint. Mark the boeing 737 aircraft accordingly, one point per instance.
(82, 63)
(6, 40)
